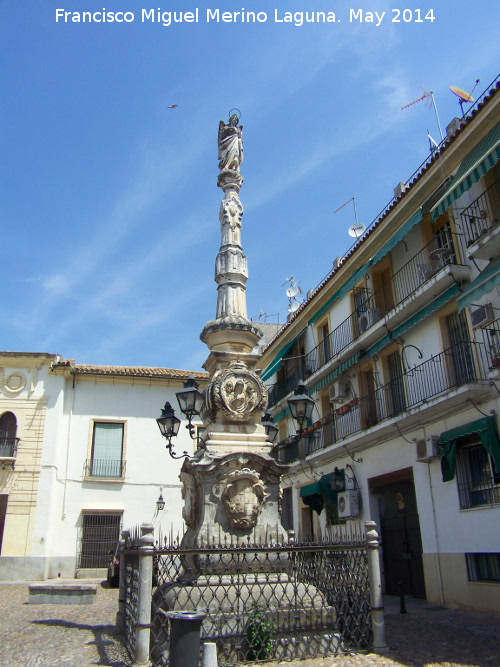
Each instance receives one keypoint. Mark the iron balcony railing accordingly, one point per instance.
(480, 216)
(8, 447)
(463, 363)
(441, 251)
(491, 340)
(113, 469)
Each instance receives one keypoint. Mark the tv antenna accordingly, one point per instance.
(428, 97)
(357, 229)
(464, 96)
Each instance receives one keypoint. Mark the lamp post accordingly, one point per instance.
(301, 406)
(191, 402)
(271, 429)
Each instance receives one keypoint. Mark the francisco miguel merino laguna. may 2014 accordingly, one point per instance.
(168, 18)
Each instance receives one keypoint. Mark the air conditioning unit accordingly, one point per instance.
(427, 449)
(337, 392)
(482, 315)
(348, 504)
(368, 319)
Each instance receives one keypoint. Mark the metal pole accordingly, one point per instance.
(402, 605)
(143, 625)
(376, 601)
(120, 616)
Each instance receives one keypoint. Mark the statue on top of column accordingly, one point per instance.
(230, 144)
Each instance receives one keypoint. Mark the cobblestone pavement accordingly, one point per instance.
(49, 635)
(57, 635)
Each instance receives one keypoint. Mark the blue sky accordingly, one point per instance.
(109, 202)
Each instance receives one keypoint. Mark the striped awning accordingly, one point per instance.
(473, 167)
(488, 279)
(275, 364)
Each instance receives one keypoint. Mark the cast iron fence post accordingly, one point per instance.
(143, 625)
(120, 616)
(376, 601)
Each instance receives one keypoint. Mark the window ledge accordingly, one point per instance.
(108, 480)
(480, 507)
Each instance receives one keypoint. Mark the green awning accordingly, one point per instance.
(335, 373)
(487, 431)
(316, 493)
(397, 237)
(488, 279)
(340, 293)
(275, 364)
(414, 320)
(473, 167)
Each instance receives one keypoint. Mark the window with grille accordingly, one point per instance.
(483, 567)
(99, 536)
(107, 450)
(8, 433)
(477, 480)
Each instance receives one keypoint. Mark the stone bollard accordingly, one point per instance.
(379, 644)
(143, 625)
(209, 656)
(120, 616)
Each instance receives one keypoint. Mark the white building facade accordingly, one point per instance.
(90, 461)
(398, 347)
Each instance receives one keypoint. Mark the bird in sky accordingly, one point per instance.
(172, 106)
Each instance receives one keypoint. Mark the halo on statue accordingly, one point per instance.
(237, 112)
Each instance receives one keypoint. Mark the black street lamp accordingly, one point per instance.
(190, 401)
(160, 503)
(271, 429)
(169, 424)
(301, 406)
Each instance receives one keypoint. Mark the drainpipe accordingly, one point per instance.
(67, 449)
(436, 534)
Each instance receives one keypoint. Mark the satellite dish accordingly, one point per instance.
(356, 230)
(292, 291)
(462, 94)
(293, 306)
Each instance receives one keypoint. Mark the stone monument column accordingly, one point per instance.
(231, 487)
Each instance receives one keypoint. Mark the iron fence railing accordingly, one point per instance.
(114, 469)
(480, 216)
(266, 602)
(8, 447)
(132, 602)
(463, 363)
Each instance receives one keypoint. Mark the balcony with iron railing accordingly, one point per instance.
(437, 265)
(491, 339)
(462, 365)
(105, 469)
(8, 448)
(480, 224)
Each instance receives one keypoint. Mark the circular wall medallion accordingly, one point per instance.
(15, 382)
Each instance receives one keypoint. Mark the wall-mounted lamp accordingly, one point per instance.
(160, 503)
